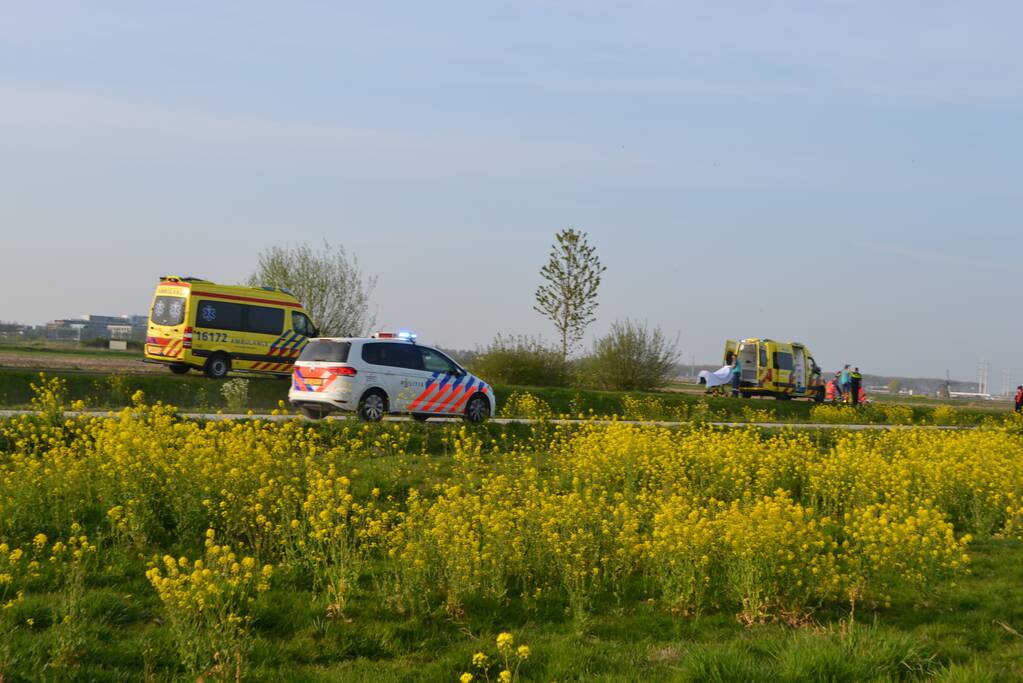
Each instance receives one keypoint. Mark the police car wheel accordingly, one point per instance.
(372, 407)
(179, 368)
(217, 366)
(477, 409)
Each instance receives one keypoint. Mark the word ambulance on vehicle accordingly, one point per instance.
(784, 370)
(386, 373)
(215, 328)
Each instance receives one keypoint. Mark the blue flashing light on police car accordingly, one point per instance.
(405, 334)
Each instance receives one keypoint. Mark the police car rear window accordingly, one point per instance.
(322, 351)
(168, 310)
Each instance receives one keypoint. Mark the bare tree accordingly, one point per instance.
(327, 282)
(569, 295)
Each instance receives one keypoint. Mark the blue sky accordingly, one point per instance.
(845, 174)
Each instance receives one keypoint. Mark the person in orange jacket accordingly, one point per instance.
(829, 390)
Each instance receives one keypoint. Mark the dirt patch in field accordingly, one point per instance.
(74, 363)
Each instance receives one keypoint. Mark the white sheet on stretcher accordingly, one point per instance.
(718, 377)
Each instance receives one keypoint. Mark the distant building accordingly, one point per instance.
(89, 327)
(11, 330)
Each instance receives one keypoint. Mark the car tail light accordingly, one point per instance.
(344, 371)
(187, 341)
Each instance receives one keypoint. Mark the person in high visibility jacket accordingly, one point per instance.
(855, 385)
(829, 390)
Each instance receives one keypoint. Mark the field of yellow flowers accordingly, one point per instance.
(142, 545)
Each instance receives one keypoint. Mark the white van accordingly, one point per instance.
(385, 374)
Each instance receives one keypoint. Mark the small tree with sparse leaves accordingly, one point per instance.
(631, 357)
(326, 281)
(568, 295)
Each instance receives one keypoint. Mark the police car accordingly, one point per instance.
(386, 373)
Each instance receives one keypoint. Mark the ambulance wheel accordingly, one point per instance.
(419, 417)
(373, 406)
(179, 368)
(818, 396)
(314, 412)
(477, 409)
(217, 366)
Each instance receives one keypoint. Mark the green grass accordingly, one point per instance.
(99, 390)
(42, 349)
(197, 393)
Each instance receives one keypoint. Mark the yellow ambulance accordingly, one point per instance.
(215, 328)
(784, 370)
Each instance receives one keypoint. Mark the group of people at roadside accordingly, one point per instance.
(846, 386)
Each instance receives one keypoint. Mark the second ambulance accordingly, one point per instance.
(382, 374)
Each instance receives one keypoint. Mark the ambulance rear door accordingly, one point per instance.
(799, 368)
(731, 348)
(748, 352)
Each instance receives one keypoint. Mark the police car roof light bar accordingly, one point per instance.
(404, 335)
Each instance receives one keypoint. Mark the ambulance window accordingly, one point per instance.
(168, 310)
(783, 360)
(219, 315)
(763, 356)
(434, 361)
(302, 324)
(264, 320)
(325, 351)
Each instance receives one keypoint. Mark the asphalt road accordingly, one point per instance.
(510, 420)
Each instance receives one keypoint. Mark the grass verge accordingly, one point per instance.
(199, 394)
